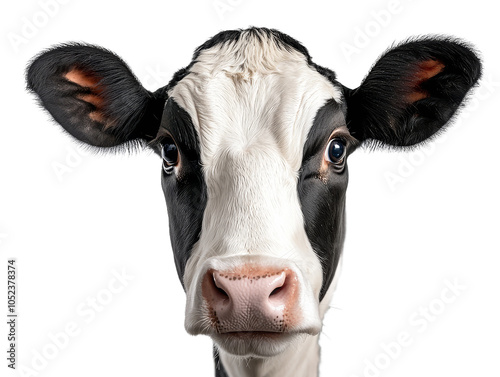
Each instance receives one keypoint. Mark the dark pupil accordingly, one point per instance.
(336, 150)
(169, 153)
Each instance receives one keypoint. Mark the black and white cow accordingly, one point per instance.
(254, 139)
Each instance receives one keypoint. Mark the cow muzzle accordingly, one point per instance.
(252, 305)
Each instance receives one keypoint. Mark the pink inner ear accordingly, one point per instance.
(424, 72)
(90, 81)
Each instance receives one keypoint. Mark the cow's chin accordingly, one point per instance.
(255, 343)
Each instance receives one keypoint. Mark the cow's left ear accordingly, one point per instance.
(94, 95)
(412, 91)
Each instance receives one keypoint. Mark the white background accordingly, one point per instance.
(439, 222)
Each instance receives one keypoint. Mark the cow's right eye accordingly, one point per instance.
(170, 155)
(335, 151)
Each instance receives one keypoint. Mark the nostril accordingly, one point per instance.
(221, 293)
(276, 291)
(280, 288)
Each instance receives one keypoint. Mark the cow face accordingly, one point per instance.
(254, 139)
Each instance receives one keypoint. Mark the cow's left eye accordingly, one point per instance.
(170, 155)
(335, 151)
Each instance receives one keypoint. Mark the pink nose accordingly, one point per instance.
(251, 300)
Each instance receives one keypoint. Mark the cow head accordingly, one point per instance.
(254, 139)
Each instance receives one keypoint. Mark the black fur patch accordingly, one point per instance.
(322, 197)
(185, 193)
(219, 368)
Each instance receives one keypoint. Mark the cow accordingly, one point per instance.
(254, 139)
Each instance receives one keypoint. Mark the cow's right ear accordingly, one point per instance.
(94, 95)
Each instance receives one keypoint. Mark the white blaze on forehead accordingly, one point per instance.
(252, 104)
(240, 92)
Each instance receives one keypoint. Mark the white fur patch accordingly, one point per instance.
(252, 104)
